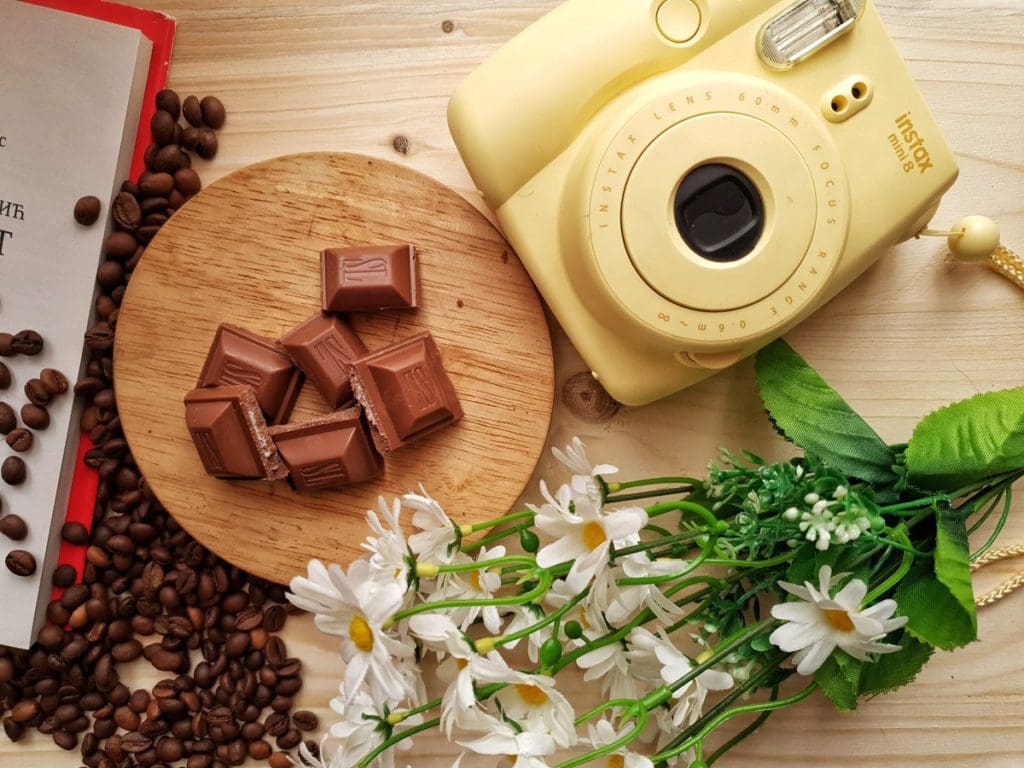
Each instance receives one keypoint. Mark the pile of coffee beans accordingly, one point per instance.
(148, 588)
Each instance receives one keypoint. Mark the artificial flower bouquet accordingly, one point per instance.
(691, 602)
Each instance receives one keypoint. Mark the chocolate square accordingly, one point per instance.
(405, 392)
(324, 347)
(231, 435)
(369, 278)
(328, 453)
(240, 358)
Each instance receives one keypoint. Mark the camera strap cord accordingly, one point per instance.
(1009, 265)
(976, 240)
(1007, 587)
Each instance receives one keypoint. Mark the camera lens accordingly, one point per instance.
(719, 212)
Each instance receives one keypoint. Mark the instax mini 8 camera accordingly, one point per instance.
(685, 180)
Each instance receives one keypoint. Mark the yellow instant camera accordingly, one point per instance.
(686, 180)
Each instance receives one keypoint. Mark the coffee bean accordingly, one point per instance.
(187, 182)
(148, 232)
(74, 596)
(305, 720)
(64, 576)
(37, 393)
(125, 652)
(21, 563)
(169, 750)
(75, 533)
(13, 470)
(237, 644)
(87, 210)
(51, 636)
(6, 345)
(162, 124)
(28, 343)
(13, 527)
(8, 419)
(121, 246)
(5, 376)
(207, 147)
(190, 138)
(168, 159)
(56, 383)
(19, 440)
(157, 184)
(134, 743)
(289, 739)
(168, 101)
(126, 211)
(24, 710)
(110, 274)
(35, 417)
(260, 749)
(192, 111)
(280, 760)
(100, 338)
(213, 112)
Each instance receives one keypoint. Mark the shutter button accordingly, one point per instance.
(679, 20)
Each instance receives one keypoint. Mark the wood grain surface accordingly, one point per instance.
(246, 251)
(913, 334)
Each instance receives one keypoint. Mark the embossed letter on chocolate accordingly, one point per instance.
(369, 278)
(325, 347)
(231, 435)
(329, 452)
(240, 358)
(405, 392)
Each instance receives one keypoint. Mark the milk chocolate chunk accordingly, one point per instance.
(240, 358)
(324, 348)
(369, 278)
(329, 452)
(405, 392)
(231, 434)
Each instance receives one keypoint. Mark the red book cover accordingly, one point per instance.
(159, 28)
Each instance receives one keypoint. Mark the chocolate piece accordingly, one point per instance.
(369, 278)
(329, 452)
(238, 357)
(325, 347)
(231, 435)
(406, 392)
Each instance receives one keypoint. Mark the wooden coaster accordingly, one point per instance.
(246, 251)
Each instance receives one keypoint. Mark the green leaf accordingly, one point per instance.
(953, 561)
(936, 616)
(808, 412)
(839, 679)
(968, 441)
(894, 670)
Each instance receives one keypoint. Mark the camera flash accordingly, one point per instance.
(804, 28)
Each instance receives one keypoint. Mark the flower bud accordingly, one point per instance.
(529, 540)
(550, 652)
(573, 630)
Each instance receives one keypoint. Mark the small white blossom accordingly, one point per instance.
(818, 524)
(480, 584)
(603, 733)
(522, 749)
(675, 665)
(389, 551)
(360, 732)
(817, 624)
(584, 475)
(436, 531)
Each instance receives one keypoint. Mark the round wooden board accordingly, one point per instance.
(246, 251)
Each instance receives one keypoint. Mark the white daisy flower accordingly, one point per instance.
(436, 532)
(389, 551)
(524, 616)
(622, 603)
(584, 537)
(642, 654)
(520, 749)
(355, 607)
(691, 696)
(603, 733)
(360, 732)
(817, 624)
(584, 475)
(530, 700)
(480, 584)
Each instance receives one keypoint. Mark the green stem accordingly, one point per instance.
(748, 731)
(368, 760)
(420, 709)
(689, 481)
(999, 526)
(443, 605)
(897, 577)
(485, 564)
(714, 524)
(615, 746)
(515, 517)
(493, 538)
(619, 499)
(780, 560)
(549, 619)
(642, 581)
(680, 538)
(602, 707)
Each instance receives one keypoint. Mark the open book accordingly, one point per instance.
(70, 100)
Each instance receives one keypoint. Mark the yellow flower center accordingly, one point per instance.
(593, 536)
(361, 634)
(461, 663)
(474, 580)
(531, 694)
(840, 620)
(616, 761)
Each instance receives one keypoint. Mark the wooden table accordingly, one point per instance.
(915, 333)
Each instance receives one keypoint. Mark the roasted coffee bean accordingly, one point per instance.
(65, 713)
(274, 618)
(289, 739)
(276, 724)
(162, 124)
(55, 382)
(74, 596)
(25, 710)
(89, 386)
(51, 636)
(149, 156)
(207, 147)
(249, 619)
(192, 111)
(5, 376)
(237, 644)
(148, 232)
(75, 533)
(109, 274)
(134, 743)
(8, 419)
(170, 750)
(65, 740)
(13, 470)
(190, 138)
(168, 159)
(157, 184)
(6, 345)
(37, 393)
(168, 101)
(187, 182)
(127, 719)
(100, 338)
(127, 212)
(64, 576)
(125, 652)
(13, 527)
(260, 749)
(289, 686)
(35, 417)
(120, 246)
(27, 343)
(305, 720)
(87, 210)
(21, 563)
(212, 111)
(19, 440)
